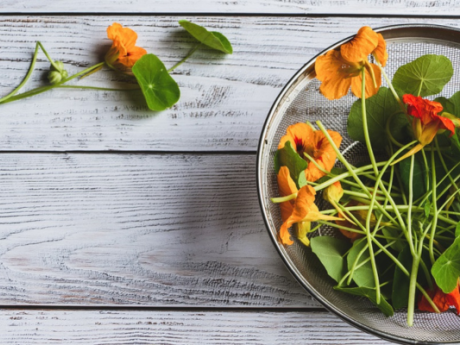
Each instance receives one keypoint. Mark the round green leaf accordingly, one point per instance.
(159, 88)
(424, 76)
(212, 39)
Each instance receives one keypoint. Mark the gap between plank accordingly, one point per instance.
(235, 14)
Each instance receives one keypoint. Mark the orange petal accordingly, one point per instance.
(453, 298)
(380, 52)
(370, 89)
(283, 141)
(334, 73)
(321, 149)
(133, 55)
(286, 187)
(364, 43)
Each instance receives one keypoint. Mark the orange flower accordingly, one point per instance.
(123, 54)
(321, 150)
(304, 139)
(426, 122)
(303, 210)
(441, 300)
(286, 186)
(338, 70)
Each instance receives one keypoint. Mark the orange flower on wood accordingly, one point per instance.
(340, 70)
(123, 54)
(442, 300)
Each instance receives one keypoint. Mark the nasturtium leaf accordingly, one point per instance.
(362, 276)
(446, 269)
(379, 109)
(401, 282)
(302, 181)
(288, 157)
(457, 230)
(424, 76)
(384, 306)
(427, 207)
(419, 178)
(159, 88)
(212, 39)
(331, 251)
(394, 233)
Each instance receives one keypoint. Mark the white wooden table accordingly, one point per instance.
(119, 225)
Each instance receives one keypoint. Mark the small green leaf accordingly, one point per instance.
(427, 207)
(446, 269)
(457, 230)
(419, 179)
(379, 109)
(384, 306)
(424, 76)
(330, 251)
(401, 282)
(212, 39)
(288, 157)
(159, 88)
(394, 233)
(362, 276)
(452, 106)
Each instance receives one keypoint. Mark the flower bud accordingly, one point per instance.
(333, 193)
(57, 72)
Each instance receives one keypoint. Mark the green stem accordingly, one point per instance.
(427, 169)
(393, 91)
(366, 136)
(47, 56)
(434, 206)
(42, 89)
(96, 88)
(26, 78)
(412, 285)
(190, 53)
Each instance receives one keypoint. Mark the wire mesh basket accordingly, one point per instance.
(301, 101)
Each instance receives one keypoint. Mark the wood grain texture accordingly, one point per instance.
(225, 99)
(177, 327)
(149, 230)
(377, 7)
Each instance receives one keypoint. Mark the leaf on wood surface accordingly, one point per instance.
(159, 88)
(212, 39)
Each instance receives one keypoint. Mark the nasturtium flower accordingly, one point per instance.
(304, 210)
(305, 139)
(338, 70)
(426, 122)
(321, 150)
(286, 186)
(442, 300)
(123, 53)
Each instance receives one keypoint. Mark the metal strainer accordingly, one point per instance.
(301, 101)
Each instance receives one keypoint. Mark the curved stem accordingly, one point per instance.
(42, 89)
(366, 132)
(190, 53)
(26, 78)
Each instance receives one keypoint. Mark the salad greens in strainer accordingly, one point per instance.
(398, 216)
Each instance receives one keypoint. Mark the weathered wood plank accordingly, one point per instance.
(378, 7)
(150, 230)
(225, 99)
(176, 327)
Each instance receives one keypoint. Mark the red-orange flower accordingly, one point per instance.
(306, 140)
(442, 300)
(340, 70)
(426, 122)
(123, 54)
